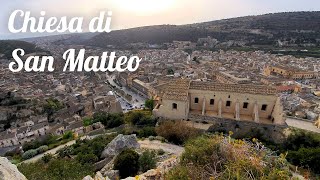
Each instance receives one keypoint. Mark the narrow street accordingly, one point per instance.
(137, 101)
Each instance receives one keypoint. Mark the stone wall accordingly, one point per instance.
(244, 129)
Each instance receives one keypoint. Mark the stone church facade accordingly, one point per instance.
(184, 99)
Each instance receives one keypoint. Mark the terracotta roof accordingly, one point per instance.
(178, 89)
(237, 88)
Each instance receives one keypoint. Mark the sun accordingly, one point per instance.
(145, 7)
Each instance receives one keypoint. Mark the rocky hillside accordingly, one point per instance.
(292, 29)
(7, 46)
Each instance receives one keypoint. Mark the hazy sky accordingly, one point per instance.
(134, 13)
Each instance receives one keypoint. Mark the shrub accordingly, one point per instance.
(299, 139)
(146, 121)
(147, 160)
(56, 169)
(146, 132)
(52, 105)
(135, 116)
(47, 158)
(31, 145)
(149, 103)
(109, 120)
(50, 139)
(307, 158)
(68, 135)
(114, 120)
(65, 151)
(87, 121)
(87, 158)
(42, 149)
(161, 152)
(29, 154)
(178, 173)
(141, 118)
(303, 149)
(94, 146)
(127, 162)
(176, 132)
(219, 157)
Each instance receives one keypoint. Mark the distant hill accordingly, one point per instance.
(8, 46)
(292, 29)
(66, 39)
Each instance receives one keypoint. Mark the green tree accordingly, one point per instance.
(139, 118)
(149, 103)
(52, 105)
(87, 121)
(31, 145)
(109, 120)
(127, 162)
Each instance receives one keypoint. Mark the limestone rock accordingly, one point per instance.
(159, 173)
(88, 178)
(3, 116)
(120, 143)
(317, 123)
(311, 115)
(112, 174)
(99, 176)
(9, 171)
(108, 167)
(129, 178)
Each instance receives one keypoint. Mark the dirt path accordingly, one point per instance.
(309, 126)
(174, 149)
(51, 151)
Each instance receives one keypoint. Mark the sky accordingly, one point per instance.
(135, 13)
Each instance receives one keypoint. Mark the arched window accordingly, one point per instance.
(196, 100)
(245, 105)
(264, 107)
(174, 106)
(211, 101)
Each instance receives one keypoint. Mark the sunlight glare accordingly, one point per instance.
(145, 7)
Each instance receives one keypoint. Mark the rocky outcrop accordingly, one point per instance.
(317, 123)
(98, 176)
(114, 148)
(9, 171)
(311, 115)
(120, 143)
(112, 174)
(159, 173)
